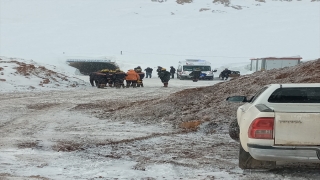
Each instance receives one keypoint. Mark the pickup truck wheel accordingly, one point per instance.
(246, 161)
(234, 130)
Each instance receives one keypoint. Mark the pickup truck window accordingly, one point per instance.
(258, 94)
(296, 95)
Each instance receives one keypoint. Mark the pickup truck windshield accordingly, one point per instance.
(296, 95)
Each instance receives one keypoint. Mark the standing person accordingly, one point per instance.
(164, 75)
(93, 79)
(148, 72)
(138, 67)
(225, 74)
(101, 80)
(119, 77)
(159, 70)
(172, 71)
(132, 78)
(110, 77)
(141, 76)
(195, 74)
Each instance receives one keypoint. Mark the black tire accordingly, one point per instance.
(234, 130)
(246, 161)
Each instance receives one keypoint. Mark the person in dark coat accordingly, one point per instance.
(225, 74)
(93, 79)
(164, 75)
(100, 79)
(159, 70)
(195, 74)
(110, 77)
(148, 72)
(119, 77)
(172, 71)
(141, 75)
(138, 67)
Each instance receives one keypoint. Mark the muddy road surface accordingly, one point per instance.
(131, 133)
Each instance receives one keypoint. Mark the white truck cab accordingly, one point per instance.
(187, 66)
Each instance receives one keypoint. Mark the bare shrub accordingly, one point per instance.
(184, 1)
(204, 9)
(225, 2)
(45, 81)
(160, 1)
(27, 145)
(24, 69)
(237, 7)
(190, 124)
(40, 106)
(67, 146)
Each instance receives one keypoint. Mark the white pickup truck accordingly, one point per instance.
(281, 122)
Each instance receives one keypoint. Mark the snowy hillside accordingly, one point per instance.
(155, 33)
(23, 75)
(150, 33)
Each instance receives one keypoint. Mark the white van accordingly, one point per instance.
(189, 65)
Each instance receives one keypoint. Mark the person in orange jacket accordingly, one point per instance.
(132, 78)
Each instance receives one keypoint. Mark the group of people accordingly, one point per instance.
(149, 71)
(163, 74)
(134, 77)
(115, 78)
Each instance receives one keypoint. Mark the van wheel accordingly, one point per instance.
(246, 161)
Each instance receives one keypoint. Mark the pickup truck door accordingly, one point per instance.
(297, 128)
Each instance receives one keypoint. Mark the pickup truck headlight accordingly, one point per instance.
(261, 128)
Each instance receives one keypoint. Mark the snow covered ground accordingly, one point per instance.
(150, 33)
(48, 116)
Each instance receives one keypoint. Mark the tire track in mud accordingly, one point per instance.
(182, 150)
(71, 146)
(35, 106)
(24, 129)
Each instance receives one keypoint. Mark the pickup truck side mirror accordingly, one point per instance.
(237, 99)
(214, 70)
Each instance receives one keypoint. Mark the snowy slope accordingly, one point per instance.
(151, 33)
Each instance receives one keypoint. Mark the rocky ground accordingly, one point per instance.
(180, 132)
